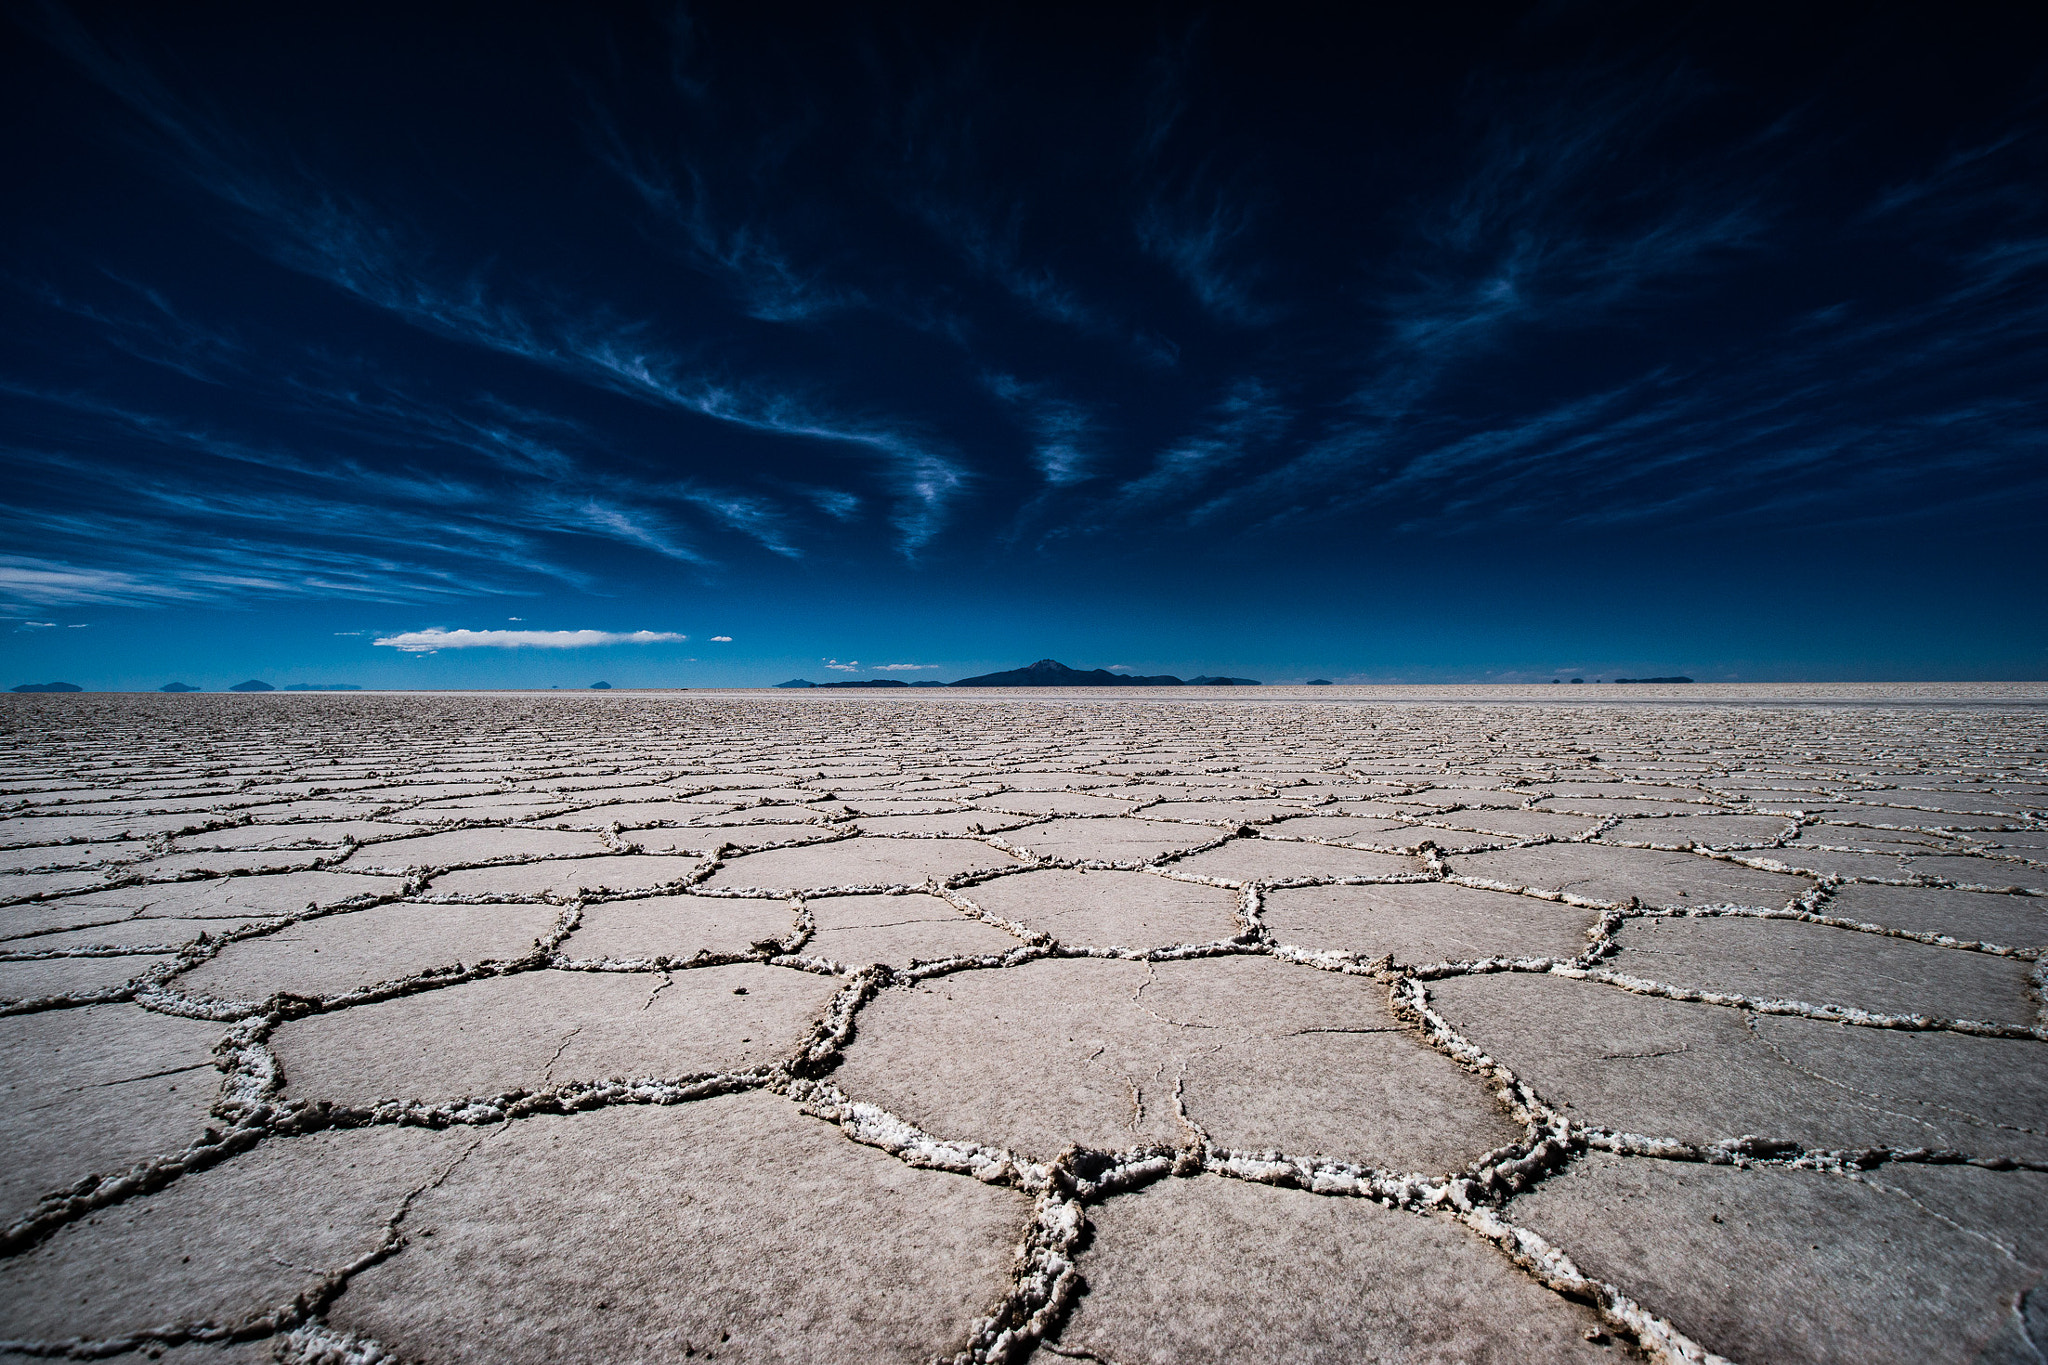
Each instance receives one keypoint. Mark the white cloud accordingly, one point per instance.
(1114, 667)
(37, 625)
(46, 583)
(80, 626)
(900, 668)
(721, 639)
(427, 641)
(853, 667)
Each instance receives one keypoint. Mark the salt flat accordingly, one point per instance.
(1334, 1024)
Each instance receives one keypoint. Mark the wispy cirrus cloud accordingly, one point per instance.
(156, 332)
(1240, 431)
(265, 506)
(315, 227)
(623, 357)
(44, 582)
(144, 574)
(746, 257)
(991, 246)
(502, 477)
(36, 582)
(1064, 433)
(1194, 237)
(992, 307)
(429, 641)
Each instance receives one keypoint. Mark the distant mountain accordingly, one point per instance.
(797, 682)
(48, 687)
(1649, 680)
(867, 682)
(1319, 682)
(1053, 673)
(321, 687)
(600, 687)
(252, 686)
(178, 687)
(928, 682)
(1224, 682)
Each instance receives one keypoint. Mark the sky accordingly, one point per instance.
(528, 345)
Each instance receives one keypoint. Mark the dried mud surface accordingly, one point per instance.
(528, 1028)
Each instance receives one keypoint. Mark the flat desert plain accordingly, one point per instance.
(1290, 1025)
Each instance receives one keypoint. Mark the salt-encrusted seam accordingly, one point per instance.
(1658, 1338)
(1839, 1014)
(1838, 922)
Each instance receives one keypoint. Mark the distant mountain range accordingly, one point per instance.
(47, 687)
(1053, 673)
(1044, 673)
(253, 685)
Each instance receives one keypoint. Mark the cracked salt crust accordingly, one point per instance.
(1530, 980)
(1428, 922)
(1108, 909)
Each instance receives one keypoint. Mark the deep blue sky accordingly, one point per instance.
(1445, 342)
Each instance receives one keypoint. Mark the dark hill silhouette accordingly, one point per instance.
(1653, 680)
(1053, 673)
(601, 687)
(177, 687)
(797, 682)
(48, 687)
(253, 685)
(1206, 681)
(867, 682)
